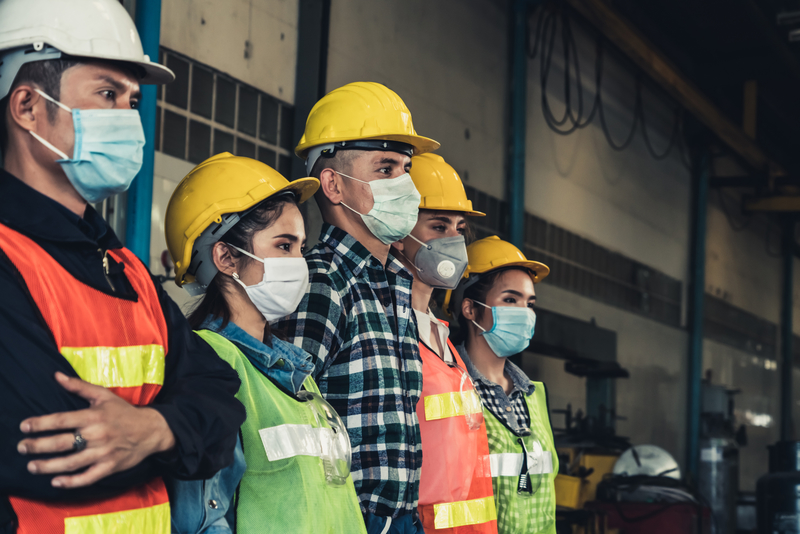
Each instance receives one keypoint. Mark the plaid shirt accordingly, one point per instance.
(357, 323)
(510, 410)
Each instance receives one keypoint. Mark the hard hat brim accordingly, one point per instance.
(539, 270)
(304, 188)
(154, 73)
(469, 213)
(422, 145)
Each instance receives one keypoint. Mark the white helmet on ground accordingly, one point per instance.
(36, 30)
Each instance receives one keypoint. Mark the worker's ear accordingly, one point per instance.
(223, 260)
(399, 245)
(331, 186)
(25, 107)
(468, 309)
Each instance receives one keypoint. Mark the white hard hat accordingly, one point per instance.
(35, 30)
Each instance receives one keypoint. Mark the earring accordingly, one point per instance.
(235, 276)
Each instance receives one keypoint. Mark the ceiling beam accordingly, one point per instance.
(755, 181)
(623, 35)
(773, 203)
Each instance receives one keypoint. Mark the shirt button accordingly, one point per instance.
(508, 408)
(280, 362)
(212, 504)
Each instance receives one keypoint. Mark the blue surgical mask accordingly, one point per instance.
(108, 150)
(512, 330)
(395, 207)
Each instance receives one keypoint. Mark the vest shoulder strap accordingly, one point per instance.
(224, 348)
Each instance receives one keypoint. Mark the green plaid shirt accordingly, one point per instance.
(357, 323)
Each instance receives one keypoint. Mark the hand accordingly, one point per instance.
(118, 436)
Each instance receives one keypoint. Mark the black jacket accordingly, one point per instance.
(197, 398)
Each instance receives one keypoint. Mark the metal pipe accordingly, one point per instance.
(519, 89)
(787, 356)
(140, 194)
(700, 168)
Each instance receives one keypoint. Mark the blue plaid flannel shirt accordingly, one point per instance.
(357, 323)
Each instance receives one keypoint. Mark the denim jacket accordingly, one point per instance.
(205, 506)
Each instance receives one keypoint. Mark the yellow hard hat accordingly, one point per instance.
(439, 185)
(209, 201)
(487, 255)
(353, 115)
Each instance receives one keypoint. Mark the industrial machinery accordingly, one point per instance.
(778, 492)
(718, 477)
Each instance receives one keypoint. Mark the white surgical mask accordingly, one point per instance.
(280, 291)
(395, 209)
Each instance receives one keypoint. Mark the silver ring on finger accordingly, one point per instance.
(80, 443)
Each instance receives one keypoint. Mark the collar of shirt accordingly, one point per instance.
(28, 211)
(426, 322)
(356, 255)
(286, 364)
(520, 380)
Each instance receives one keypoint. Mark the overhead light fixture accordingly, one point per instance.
(787, 18)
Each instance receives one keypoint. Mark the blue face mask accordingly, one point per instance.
(108, 150)
(512, 330)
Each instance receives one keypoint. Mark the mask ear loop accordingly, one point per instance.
(42, 140)
(409, 259)
(485, 306)
(357, 180)
(429, 247)
(246, 253)
(235, 275)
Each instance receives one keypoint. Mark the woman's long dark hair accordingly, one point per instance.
(241, 235)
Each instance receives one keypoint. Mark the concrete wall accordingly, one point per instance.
(447, 61)
(253, 41)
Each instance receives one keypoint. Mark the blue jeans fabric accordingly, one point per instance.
(200, 506)
(407, 524)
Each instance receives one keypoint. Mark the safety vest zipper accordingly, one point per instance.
(105, 268)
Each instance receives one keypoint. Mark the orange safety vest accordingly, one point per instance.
(109, 341)
(455, 489)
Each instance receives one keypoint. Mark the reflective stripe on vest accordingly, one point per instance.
(509, 464)
(151, 519)
(285, 441)
(118, 367)
(109, 341)
(451, 404)
(459, 514)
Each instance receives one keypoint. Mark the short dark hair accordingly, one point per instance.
(44, 74)
(342, 160)
(241, 235)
